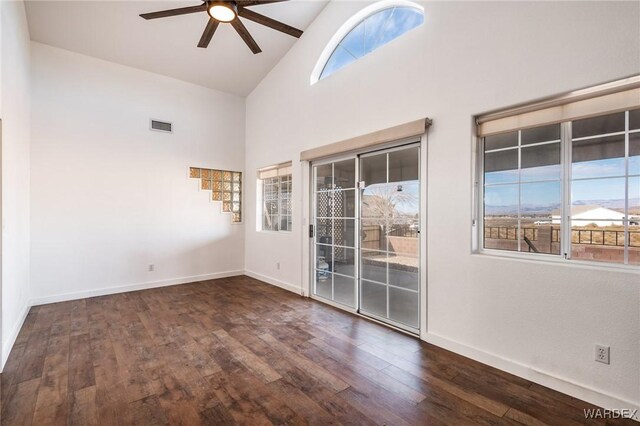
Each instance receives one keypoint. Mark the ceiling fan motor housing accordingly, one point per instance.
(229, 10)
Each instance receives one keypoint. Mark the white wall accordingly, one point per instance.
(15, 115)
(539, 320)
(110, 197)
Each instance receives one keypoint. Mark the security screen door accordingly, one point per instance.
(366, 236)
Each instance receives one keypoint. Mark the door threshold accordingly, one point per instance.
(350, 310)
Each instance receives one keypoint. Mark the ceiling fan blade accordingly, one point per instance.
(242, 30)
(245, 3)
(209, 30)
(174, 12)
(271, 23)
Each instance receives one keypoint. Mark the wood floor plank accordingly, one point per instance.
(330, 380)
(81, 374)
(247, 358)
(20, 403)
(238, 351)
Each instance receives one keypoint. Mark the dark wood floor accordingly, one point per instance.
(238, 351)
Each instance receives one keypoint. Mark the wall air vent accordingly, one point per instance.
(161, 126)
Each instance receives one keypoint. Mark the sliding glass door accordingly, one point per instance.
(334, 200)
(366, 217)
(389, 236)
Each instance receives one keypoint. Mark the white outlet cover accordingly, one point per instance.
(602, 354)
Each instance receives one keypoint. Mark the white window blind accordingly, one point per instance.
(620, 95)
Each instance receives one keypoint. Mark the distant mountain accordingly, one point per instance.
(524, 208)
(537, 209)
(610, 204)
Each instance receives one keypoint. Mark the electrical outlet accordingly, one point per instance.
(602, 354)
(152, 267)
(278, 266)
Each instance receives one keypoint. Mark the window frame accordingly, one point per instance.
(564, 257)
(349, 25)
(278, 180)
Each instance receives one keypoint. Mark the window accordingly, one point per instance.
(369, 29)
(522, 190)
(274, 192)
(571, 188)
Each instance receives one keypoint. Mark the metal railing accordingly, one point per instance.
(601, 237)
(507, 233)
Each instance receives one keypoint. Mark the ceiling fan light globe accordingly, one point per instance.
(222, 11)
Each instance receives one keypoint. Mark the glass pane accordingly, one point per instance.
(354, 41)
(372, 235)
(634, 197)
(540, 217)
(376, 201)
(634, 153)
(267, 224)
(540, 162)
(599, 242)
(284, 223)
(285, 206)
(501, 167)
(344, 232)
(403, 165)
(323, 231)
(324, 204)
(404, 307)
(504, 140)
(501, 234)
(374, 298)
(401, 21)
(500, 201)
(598, 125)
(373, 29)
(344, 290)
(345, 203)
(324, 257)
(600, 199)
(339, 58)
(598, 157)
(344, 261)
(345, 174)
(634, 119)
(634, 220)
(323, 283)
(403, 271)
(373, 169)
(540, 134)
(401, 228)
(374, 266)
(324, 178)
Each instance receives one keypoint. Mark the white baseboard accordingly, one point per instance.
(8, 344)
(273, 281)
(535, 375)
(131, 287)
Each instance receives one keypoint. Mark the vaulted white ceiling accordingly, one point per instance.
(113, 31)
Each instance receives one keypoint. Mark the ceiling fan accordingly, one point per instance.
(229, 12)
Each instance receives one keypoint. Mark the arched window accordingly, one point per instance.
(366, 31)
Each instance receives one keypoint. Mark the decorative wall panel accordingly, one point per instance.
(225, 186)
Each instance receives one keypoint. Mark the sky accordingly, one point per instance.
(602, 187)
(375, 31)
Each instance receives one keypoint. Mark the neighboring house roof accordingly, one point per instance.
(577, 210)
